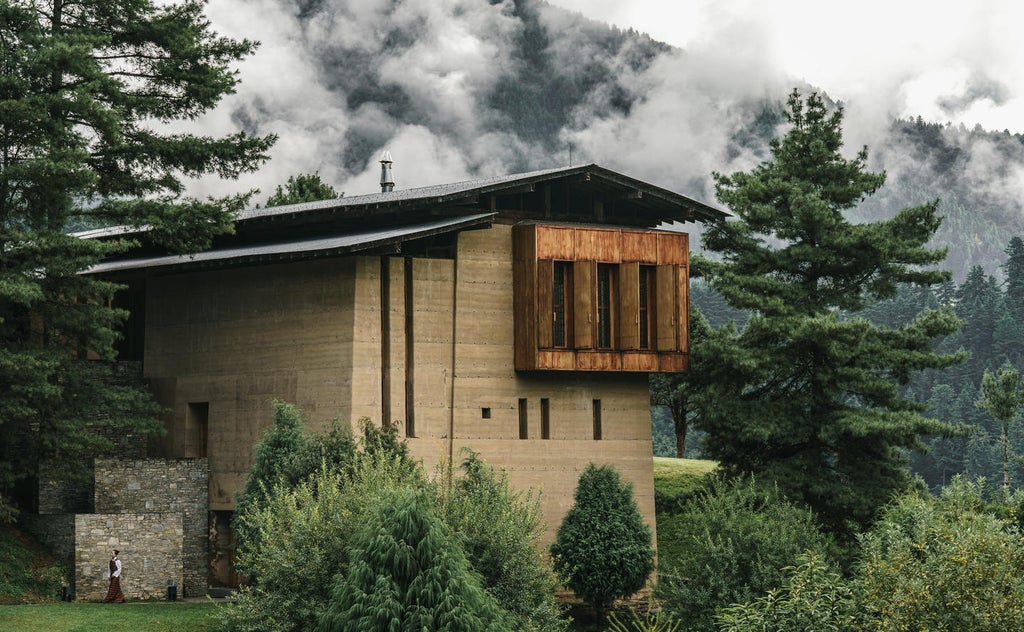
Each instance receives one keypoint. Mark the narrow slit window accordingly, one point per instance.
(545, 419)
(597, 420)
(524, 422)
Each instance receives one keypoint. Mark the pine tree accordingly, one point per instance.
(408, 572)
(1014, 271)
(302, 188)
(603, 548)
(802, 396)
(1001, 397)
(87, 91)
(273, 464)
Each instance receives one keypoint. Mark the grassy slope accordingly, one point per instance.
(27, 573)
(84, 617)
(672, 477)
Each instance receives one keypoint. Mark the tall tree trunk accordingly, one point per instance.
(680, 423)
(1005, 439)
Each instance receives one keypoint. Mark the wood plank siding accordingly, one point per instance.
(541, 251)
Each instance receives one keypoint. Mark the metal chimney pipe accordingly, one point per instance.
(387, 181)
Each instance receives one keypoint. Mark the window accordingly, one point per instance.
(545, 419)
(647, 303)
(561, 304)
(196, 428)
(524, 425)
(605, 291)
(485, 413)
(597, 420)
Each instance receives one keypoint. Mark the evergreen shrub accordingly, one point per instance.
(731, 544)
(603, 548)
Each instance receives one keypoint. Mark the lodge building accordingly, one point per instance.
(518, 316)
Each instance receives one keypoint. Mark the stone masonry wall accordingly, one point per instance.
(150, 547)
(159, 486)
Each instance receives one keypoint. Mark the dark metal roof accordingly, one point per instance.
(454, 191)
(299, 249)
(667, 206)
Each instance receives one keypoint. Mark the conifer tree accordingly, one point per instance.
(603, 548)
(1001, 397)
(802, 396)
(1014, 271)
(408, 572)
(302, 188)
(88, 91)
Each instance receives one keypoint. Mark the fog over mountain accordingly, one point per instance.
(457, 89)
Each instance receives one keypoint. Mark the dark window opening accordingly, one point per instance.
(647, 304)
(485, 413)
(597, 420)
(545, 419)
(605, 291)
(524, 425)
(561, 305)
(196, 428)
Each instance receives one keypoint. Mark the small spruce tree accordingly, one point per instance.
(408, 572)
(603, 548)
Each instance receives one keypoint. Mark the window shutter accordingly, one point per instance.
(667, 311)
(683, 285)
(545, 315)
(584, 278)
(629, 306)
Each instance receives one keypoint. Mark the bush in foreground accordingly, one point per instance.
(731, 544)
(943, 564)
(408, 572)
(499, 529)
(603, 548)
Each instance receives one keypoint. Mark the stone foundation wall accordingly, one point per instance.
(162, 486)
(151, 553)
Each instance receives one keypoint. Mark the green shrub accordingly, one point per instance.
(499, 529)
(814, 597)
(300, 536)
(731, 544)
(26, 574)
(942, 564)
(603, 548)
(408, 572)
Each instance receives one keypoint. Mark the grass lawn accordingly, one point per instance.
(139, 616)
(673, 476)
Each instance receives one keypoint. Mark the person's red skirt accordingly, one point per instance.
(114, 594)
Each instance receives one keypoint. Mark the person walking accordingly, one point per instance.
(114, 594)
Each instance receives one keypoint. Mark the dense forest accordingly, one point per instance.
(992, 311)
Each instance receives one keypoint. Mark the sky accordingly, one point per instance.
(957, 61)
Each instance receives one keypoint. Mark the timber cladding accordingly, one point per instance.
(600, 299)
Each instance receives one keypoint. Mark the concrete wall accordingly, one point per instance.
(163, 487)
(151, 553)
